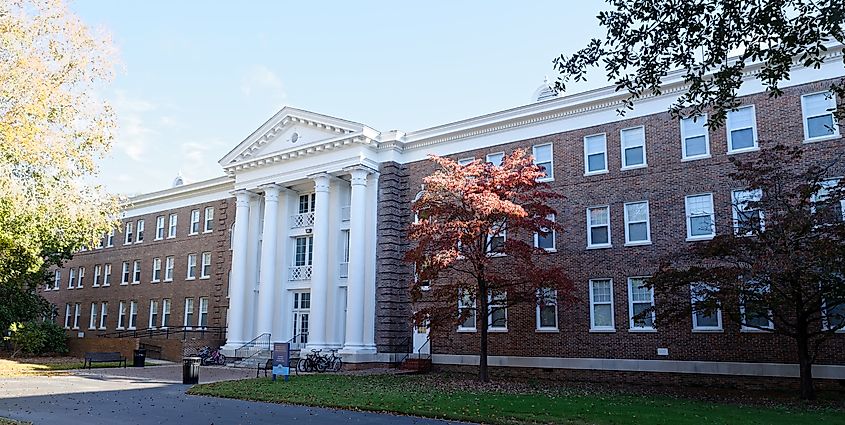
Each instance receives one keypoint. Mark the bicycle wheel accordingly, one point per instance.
(322, 364)
(221, 359)
(302, 365)
(337, 364)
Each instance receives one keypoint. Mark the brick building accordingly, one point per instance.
(337, 195)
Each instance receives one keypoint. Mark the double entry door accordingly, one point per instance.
(301, 311)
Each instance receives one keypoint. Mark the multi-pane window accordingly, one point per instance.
(496, 241)
(192, 266)
(110, 239)
(202, 319)
(189, 312)
(747, 215)
(121, 315)
(136, 275)
(640, 299)
(209, 219)
(546, 239)
(704, 319)
(304, 251)
(133, 314)
(695, 140)
(497, 311)
(127, 234)
(306, 203)
(67, 316)
(543, 158)
(160, 227)
(834, 316)
(633, 147)
(106, 274)
(467, 311)
(77, 314)
(92, 320)
(165, 313)
(598, 227)
(57, 279)
(139, 228)
(97, 273)
(742, 129)
(205, 270)
(827, 210)
(153, 320)
(601, 305)
(104, 314)
(156, 269)
(80, 277)
(496, 158)
(700, 217)
(817, 110)
(465, 161)
(546, 309)
(71, 278)
(195, 222)
(595, 154)
(755, 316)
(637, 227)
(171, 226)
(168, 268)
(100, 243)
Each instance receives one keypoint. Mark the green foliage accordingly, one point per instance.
(39, 338)
(19, 301)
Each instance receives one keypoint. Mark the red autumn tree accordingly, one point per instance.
(475, 255)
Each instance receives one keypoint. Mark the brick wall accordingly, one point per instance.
(79, 346)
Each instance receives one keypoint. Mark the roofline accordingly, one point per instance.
(206, 186)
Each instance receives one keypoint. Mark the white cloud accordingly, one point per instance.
(134, 135)
(261, 80)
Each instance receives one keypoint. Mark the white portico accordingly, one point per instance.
(303, 243)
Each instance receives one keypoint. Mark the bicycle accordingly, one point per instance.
(335, 362)
(211, 357)
(312, 362)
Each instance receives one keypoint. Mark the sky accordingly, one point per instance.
(197, 77)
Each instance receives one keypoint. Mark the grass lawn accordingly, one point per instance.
(47, 366)
(440, 396)
(4, 421)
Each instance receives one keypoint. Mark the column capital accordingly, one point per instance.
(359, 174)
(271, 192)
(321, 181)
(242, 197)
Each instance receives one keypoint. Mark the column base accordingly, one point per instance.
(356, 350)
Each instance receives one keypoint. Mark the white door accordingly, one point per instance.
(301, 310)
(421, 344)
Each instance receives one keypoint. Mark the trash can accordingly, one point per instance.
(191, 370)
(139, 357)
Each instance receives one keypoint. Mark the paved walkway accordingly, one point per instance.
(155, 395)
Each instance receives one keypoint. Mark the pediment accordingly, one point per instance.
(290, 128)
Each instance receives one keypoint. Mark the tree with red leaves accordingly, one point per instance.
(475, 255)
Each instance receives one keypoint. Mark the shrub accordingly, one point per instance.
(38, 338)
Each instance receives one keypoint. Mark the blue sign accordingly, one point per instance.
(281, 359)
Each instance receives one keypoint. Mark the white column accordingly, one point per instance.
(370, 264)
(320, 264)
(357, 259)
(281, 316)
(267, 277)
(237, 283)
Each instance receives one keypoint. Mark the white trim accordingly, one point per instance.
(554, 328)
(590, 244)
(474, 307)
(688, 216)
(695, 327)
(622, 148)
(631, 325)
(729, 128)
(695, 120)
(550, 171)
(750, 195)
(502, 153)
(804, 117)
(647, 240)
(604, 169)
(553, 235)
(593, 327)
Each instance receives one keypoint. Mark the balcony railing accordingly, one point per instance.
(344, 213)
(302, 220)
(300, 273)
(344, 269)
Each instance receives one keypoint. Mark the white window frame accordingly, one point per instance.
(593, 303)
(202, 312)
(205, 263)
(622, 147)
(92, 319)
(71, 278)
(136, 272)
(189, 302)
(729, 127)
(67, 315)
(97, 273)
(553, 296)
(503, 233)
(57, 280)
(77, 314)
(604, 169)
(805, 116)
(173, 221)
(494, 155)
(151, 319)
(702, 118)
(195, 222)
(121, 315)
(208, 224)
(127, 233)
(133, 314)
(165, 313)
(689, 218)
(110, 239)
(80, 277)
(465, 161)
(192, 267)
(139, 231)
(159, 228)
(590, 244)
(745, 328)
(752, 195)
(169, 263)
(700, 328)
(107, 274)
(628, 222)
(104, 313)
(632, 325)
(553, 235)
(156, 270)
(550, 170)
(497, 303)
(473, 307)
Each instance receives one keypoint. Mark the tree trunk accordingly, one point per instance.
(805, 364)
(483, 373)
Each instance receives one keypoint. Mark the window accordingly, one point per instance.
(601, 305)
(133, 314)
(543, 158)
(57, 279)
(80, 277)
(159, 227)
(755, 316)
(304, 252)
(139, 228)
(467, 311)
(742, 129)
(695, 140)
(496, 241)
(747, 218)
(104, 313)
(598, 227)
(834, 316)
(705, 319)
(171, 230)
(100, 243)
(77, 314)
(205, 270)
(497, 311)
(128, 234)
(156, 269)
(637, 227)
(595, 154)
(110, 239)
(192, 266)
(496, 158)
(827, 210)
(700, 217)
(547, 309)
(107, 275)
(136, 276)
(67, 316)
(817, 109)
(97, 272)
(92, 320)
(153, 320)
(465, 161)
(633, 147)
(209, 219)
(640, 299)
(121, 315)
(546, 240)
(165, 313)
(195, 222)
(168, 268)
(189, 311)
(71, 278)
(306, 203)
(202, 320)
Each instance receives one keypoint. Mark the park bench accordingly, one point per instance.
(91, 358)
(267, 366)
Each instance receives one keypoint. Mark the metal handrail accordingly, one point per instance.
(419, 354)
(252, 344)
(405, 343)
(219, 331)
